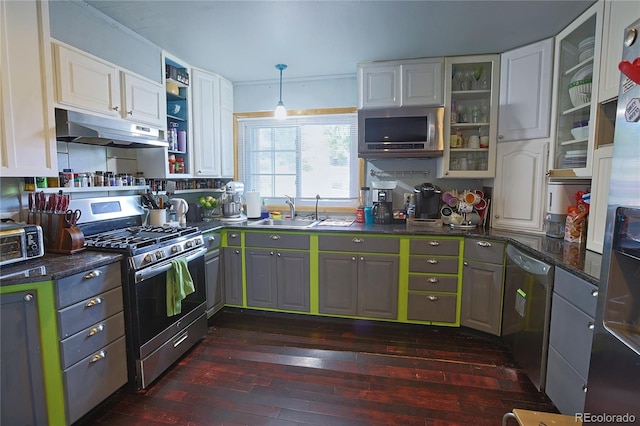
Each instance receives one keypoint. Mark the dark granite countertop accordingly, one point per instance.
(55, 266)
(569, 256)
(574, 258)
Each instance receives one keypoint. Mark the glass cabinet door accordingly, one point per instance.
(576, 66)
(471, 103)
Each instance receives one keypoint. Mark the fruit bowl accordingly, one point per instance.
(211, 207)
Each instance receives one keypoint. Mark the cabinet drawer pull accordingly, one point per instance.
(97, 357)
(274, 237)
(433, 280)
(434, 243)
(93, 302)
(433, 298)
(95, 330)
(93, 274)
(591, 325)
(233, 235)
(358, 240)
(594, 293)
(432, 261)
(212, 239)
(484, 243)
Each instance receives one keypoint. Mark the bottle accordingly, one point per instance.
(29, 184)
(454, 111)
(98, 178)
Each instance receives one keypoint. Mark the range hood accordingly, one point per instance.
(77, 127)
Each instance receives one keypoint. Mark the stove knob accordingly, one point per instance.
(176, 248)
(159, 254)
(189, 244)
(147, 259)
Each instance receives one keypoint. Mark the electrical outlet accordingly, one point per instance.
(407, 197)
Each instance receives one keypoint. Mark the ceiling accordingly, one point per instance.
(244, 40)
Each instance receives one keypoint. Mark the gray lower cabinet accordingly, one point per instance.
(278, 274)
(570, 336)
(232, 275)
(358, 283)
(90, 323)
(482, 285)
(22, 380)
(212, 272)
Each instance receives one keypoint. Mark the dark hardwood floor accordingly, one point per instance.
(258, 368)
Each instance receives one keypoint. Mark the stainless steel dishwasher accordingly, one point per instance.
(527, 311)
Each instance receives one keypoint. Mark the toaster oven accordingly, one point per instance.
(20, 242)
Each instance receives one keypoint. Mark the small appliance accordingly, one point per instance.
(560, 196)
(427, 199)
(382, 210)
(232, 201)
(181, 208)
(20, 242)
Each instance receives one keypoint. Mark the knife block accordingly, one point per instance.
(64, 238)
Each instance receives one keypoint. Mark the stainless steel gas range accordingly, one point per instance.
(156, 336)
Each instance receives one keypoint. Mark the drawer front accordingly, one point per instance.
(88, 312)
(212, 240)
(571, 334)
(434, 246)
(433, 264)
(432, 307)
(91, 339)
(277, 240)
(485, 251)
(233, 239)
(82, 286)
(433, 283)
(564, 385)
(576, 290)
(364, 243)
(94, 378)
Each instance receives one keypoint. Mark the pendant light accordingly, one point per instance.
(281, 112)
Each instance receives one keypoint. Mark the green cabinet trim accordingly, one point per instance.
(54, 395)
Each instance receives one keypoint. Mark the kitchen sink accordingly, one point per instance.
(283, 223)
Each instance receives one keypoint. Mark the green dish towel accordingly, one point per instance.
(179, 285)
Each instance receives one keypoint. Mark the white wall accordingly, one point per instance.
(321, 92)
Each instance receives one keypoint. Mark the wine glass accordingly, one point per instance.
(459, 79)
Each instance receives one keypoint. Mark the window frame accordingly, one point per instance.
(302, 204)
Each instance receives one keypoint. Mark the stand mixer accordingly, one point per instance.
(231, 202)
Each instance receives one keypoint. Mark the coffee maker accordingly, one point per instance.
(427, 198)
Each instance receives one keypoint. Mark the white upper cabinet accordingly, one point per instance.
(618, 14)
(143, 100)
(86, 82)
(416, 82)
(525, 92)
(27, 136)
(575, 90)
(518, 193)
(212, 125)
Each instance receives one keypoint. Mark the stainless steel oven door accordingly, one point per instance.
(150, 324)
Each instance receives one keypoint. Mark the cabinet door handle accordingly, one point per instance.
(433, 280)
(358, 240)
(279, 254)
(465, 263)
(500, 136)
(484, 243)
(130, 112)
(93, 302)
(594, 293)
(584, 388)
(93, 274)
(95, 330)
(432, 298)
(434, 243)
(353, 258)
(274, 237)
(362, 258)
(237, 252)
(97, 357)
(271, 253)
(28, 297)
(115, 108)
(432, 261)
(591, 325)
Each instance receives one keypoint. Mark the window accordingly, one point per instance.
(302, 156)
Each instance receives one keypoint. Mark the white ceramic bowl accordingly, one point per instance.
(580, 132)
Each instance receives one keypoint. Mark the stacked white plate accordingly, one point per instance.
(585, 48)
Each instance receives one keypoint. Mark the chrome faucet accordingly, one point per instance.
(291, 202)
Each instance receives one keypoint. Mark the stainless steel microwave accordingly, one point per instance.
(400, 132)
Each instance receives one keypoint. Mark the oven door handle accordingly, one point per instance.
(147, 273)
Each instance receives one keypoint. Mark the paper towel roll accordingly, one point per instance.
(253, 204)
